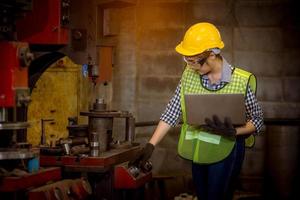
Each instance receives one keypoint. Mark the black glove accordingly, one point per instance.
(217, 127)
(143, 156)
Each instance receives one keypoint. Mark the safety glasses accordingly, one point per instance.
(195, 60)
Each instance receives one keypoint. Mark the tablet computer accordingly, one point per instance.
(201, 106)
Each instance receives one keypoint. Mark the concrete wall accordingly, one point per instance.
(260, 36)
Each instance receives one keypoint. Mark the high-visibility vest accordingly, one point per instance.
(200, 146)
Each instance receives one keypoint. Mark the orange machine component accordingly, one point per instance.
(46, 23)
(13, 71)
(105, 64)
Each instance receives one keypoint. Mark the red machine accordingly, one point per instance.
(40, 23)
(130, 178)
(15, 58)
(46, 24)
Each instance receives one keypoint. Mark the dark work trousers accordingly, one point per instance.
(217, 181)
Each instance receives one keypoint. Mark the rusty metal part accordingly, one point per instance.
(134, 171)
(107, 114)
(51, 151)
(94, 144)
(3, 115)
(18, 173)
(78, 130)
(43, 134)
(103, 128)
(67, 143)
(80, 189)
(23, 97)
(106, 159)
(147, 167)
(79, 140)
(13, 125)
(66, 147)
(72, 121)
(99, 105)
(128, 178)
(58, 193)
(102, 123)
(130, 129)
(80, 149)
(119, 145)
(147, 123)
(43, 176)
(9, 154)
(23, 145)
(25, 56)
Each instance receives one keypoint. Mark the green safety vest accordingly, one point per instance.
(196, 144)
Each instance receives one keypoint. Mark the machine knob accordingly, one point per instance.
(25, 56)
(147, 166)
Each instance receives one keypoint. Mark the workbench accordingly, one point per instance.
(100, 171)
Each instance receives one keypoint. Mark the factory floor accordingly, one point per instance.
(181, 188)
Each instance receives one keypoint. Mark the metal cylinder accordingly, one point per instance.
(147, 167)
(94, 144)
(103, 128)
(79, 141)
(66, 148)
(99, 105)
(134, 171)
(3, 115)
(130, 129)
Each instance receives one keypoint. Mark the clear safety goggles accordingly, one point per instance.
(198, 59)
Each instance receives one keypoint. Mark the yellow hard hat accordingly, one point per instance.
(199, 38)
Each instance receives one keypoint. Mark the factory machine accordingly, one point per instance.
(88, 163)
(19, 169)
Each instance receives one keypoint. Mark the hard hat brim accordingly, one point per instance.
(185, 52)
(189, 52)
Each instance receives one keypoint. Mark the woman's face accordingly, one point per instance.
(199, 63)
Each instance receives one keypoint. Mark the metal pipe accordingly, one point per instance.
(148, 123)
(282, 121)
(43, 134)
(3, 115)
(103, 128)
(130, 129)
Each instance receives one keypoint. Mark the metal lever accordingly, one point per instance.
(43, 136)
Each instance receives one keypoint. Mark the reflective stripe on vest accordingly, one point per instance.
(196, 144)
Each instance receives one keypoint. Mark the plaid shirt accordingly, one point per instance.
(253, 110)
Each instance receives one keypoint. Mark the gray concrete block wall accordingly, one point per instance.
(282, 162)
(159, 29)
(258, 39)
(259, 13)
(151, 64)
(262, 64)
(125, 69)
(270, 89)
(217, 12)
(291, 64)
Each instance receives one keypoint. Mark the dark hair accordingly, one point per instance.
(219, 56)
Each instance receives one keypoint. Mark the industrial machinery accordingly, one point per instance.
(19, 163)
(102, 159)
(89, 151)
(17, 37)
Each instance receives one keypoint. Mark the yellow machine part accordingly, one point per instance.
(56, 96)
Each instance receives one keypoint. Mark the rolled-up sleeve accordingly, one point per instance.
(254, 112)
